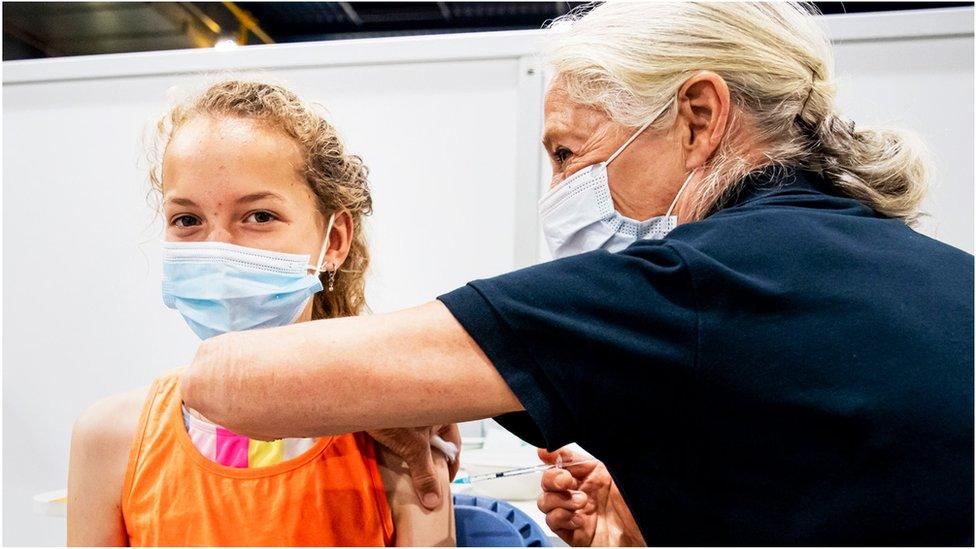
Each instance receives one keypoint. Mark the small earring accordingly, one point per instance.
(332, 279)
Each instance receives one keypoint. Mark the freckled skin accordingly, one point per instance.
(214, 162)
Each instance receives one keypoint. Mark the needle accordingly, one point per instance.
(521, 471)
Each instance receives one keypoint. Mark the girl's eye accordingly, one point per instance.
(561, 154)
(185, 221)
(260, 217)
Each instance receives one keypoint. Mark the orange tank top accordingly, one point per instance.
(173, 495)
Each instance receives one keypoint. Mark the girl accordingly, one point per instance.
(263, 210)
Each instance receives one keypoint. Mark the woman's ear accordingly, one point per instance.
(340, 240)
(704, 103)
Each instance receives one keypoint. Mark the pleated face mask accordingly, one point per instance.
(578, 214)
(219, 287)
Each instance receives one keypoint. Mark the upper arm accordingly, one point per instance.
(405, 369)
(100, 443)
(433, 367)
(415, 525)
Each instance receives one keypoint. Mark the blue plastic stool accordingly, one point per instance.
(488, 522)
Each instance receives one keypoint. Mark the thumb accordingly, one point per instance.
(424, 478)
(567, 458)
(567, 455)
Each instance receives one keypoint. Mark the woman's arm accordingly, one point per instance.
(406, 369)
(415, 525)
(100, 443)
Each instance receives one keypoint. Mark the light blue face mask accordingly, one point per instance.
(220, 287)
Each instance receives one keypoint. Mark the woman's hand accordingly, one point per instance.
(413, 445)
(583, 505)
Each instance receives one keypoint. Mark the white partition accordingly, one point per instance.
(449, 126)
(915, 70)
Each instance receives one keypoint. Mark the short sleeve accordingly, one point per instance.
(587, 342)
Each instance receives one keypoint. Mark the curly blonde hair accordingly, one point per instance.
(337, 179)
(631, 58)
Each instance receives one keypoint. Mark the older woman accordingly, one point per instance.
(791, 364)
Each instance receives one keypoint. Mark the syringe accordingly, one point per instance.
(521, 471)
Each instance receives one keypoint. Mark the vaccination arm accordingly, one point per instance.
(414, 524)
(410, 368)
(100, 444)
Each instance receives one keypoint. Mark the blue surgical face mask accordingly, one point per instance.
(578, 214)
(220, 287)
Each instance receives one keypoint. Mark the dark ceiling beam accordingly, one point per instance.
(201, 17)
(351, 13)
(115, 36)
(445, 11)
(31, 40)
(200, 29)
(46, 9)
(248, 22)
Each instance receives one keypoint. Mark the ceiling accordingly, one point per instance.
(54, 29)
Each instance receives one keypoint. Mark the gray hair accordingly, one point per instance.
(630, 58)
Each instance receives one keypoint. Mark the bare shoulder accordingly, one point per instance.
(415, 525)
(100, 443)
(110, 424)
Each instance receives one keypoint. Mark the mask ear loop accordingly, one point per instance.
(677, 196)
(629, 141)
(637, 133)
(325, 247)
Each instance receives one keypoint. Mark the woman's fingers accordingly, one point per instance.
(570, 501)
(412, 444)
(565, 535)
(561, 519)
(566, 454)
(561, 500)
(569, 458)
(558, 480)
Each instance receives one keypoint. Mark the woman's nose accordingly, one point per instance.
(220, 234)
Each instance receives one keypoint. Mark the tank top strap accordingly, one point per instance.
(151, 429)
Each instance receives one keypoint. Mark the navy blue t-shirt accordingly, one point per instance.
(793, 369)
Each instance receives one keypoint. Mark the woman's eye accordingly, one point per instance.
(185, 221)
(561, 154)
(260, 217)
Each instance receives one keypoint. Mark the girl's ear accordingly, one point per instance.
(340, 239)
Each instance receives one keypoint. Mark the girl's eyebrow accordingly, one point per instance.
(254, 197)
(180, 201)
